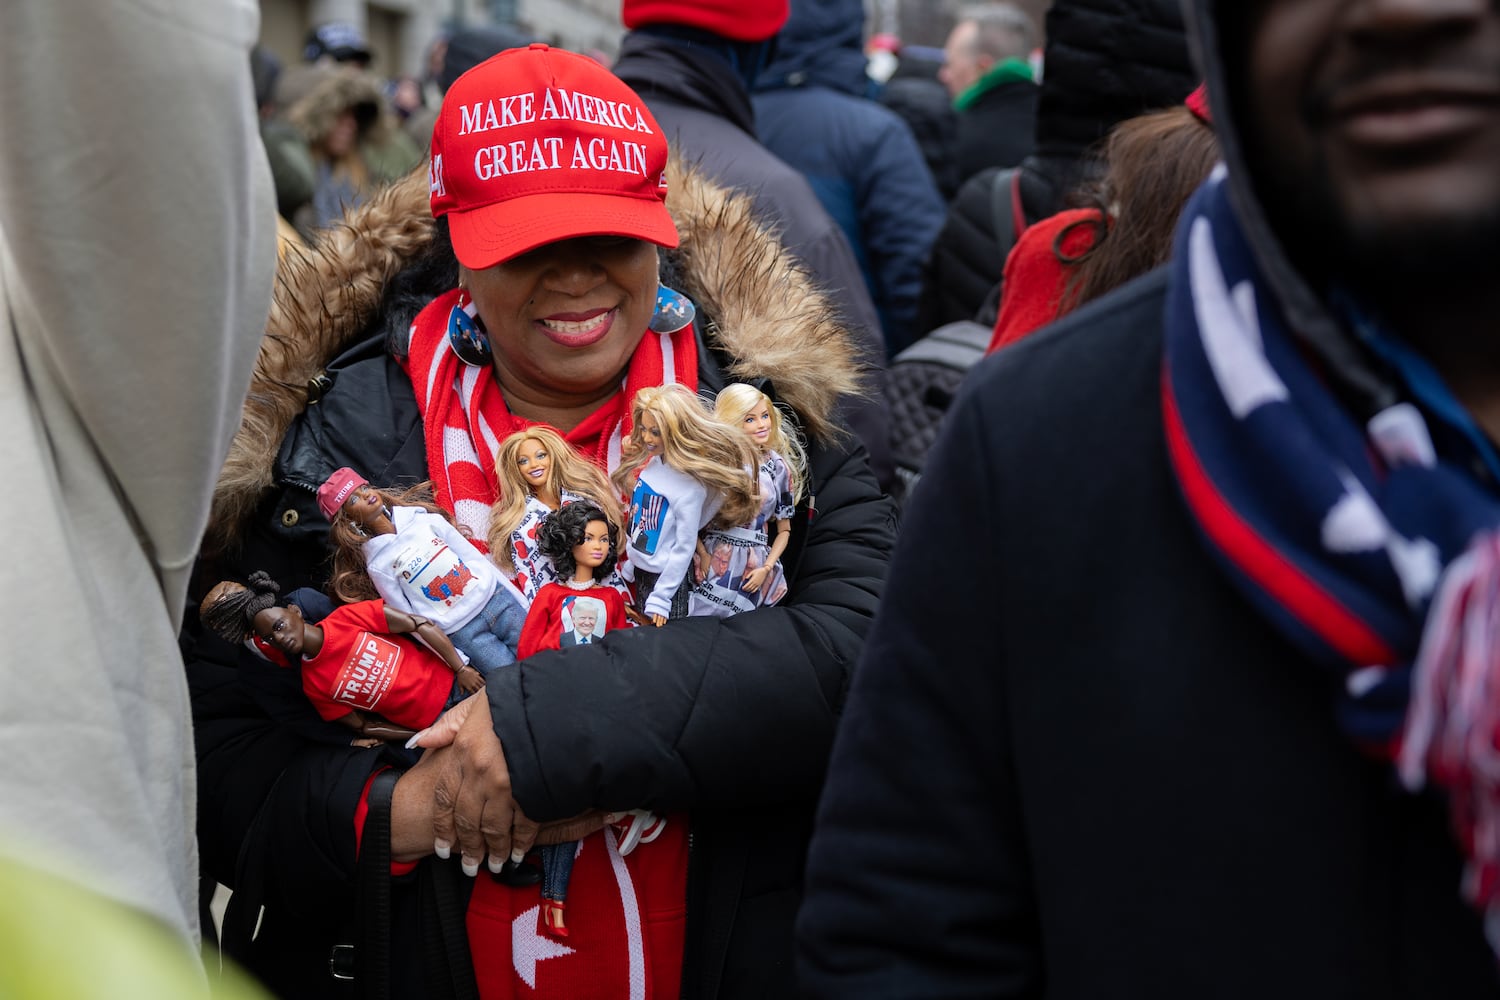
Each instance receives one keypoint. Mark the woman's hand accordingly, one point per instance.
(470, 793)
(470, 681)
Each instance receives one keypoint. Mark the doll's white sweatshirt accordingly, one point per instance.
(667, 511)
(428, 568)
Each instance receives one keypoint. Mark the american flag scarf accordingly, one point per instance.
(1378, 558)
(464, 416)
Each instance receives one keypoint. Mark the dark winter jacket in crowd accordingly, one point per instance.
(1133, 788)
(915, 93)
(730, 720)
(1106, 61)
(704, 107)
(865, 167)
(998, 129)
(1136, 787)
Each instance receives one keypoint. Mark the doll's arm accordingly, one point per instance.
(374, 727)
(403, 623)
(757, 576)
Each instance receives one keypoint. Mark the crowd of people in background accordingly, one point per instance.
(1174, 313)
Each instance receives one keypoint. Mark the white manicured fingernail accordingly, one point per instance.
(497, 865)
(411, 744)
(517, 855)
(441, 848)
(470, 866)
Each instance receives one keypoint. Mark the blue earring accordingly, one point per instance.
(466, 336)
(674, 311)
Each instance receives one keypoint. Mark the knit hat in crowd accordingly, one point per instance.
(740, 20)
(537, 145)
(337, 488)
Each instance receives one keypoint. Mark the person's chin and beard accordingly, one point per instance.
(1375, 244)
(1385, 220)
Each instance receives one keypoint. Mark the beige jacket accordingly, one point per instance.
(137, 248)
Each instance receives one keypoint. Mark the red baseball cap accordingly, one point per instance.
(741, 20)
(537, 145)
(337, 488)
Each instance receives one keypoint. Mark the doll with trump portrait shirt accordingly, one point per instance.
(697, 472)
(406, 551)
(739, 568)
(538, 471)
(577, 609)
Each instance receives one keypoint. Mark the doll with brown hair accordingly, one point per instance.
(697, 472)
(358, 666)
(577, 609)
(406, 551)
(538, 472)
(739, 568)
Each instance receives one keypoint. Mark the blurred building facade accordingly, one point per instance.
(400, 32)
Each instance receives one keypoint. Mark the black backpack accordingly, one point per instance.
(923, 379)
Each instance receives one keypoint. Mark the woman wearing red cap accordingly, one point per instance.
(542, 294)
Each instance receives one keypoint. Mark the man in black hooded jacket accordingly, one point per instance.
(1237, 528)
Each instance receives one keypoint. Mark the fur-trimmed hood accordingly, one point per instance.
(762, 310)
(334, 91)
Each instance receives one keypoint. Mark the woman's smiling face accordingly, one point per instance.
(564, 319)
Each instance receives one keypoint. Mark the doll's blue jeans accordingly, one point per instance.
(490, 638)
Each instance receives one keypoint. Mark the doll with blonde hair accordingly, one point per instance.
(406, 551)
(538, 472)
(698, 472)
(739, 568)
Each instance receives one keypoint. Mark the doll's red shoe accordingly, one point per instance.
(552, 917)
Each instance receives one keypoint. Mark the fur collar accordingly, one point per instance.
(764, 312)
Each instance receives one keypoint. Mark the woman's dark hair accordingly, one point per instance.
(232, 616)
(1153, 164)
(562, 531)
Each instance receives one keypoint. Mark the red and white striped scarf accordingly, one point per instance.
(464, 416)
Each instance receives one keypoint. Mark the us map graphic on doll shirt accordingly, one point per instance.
(648, 509)
(426, 564)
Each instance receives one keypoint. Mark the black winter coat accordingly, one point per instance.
(998, 129)
(1133, 787)
(750, 811)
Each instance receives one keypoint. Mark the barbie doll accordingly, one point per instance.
(577, 609)
(697, 472)
(407, 552)
(359, 668)
(538, 472)
(739, 568)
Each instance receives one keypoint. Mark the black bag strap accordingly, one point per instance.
(372, 897)
(1006, 209)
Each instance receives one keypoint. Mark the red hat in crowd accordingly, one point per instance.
(337, 488)
(537, 145)
(1197, 103)
(741, 20)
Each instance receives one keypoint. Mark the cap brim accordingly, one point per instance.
(484, 237)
